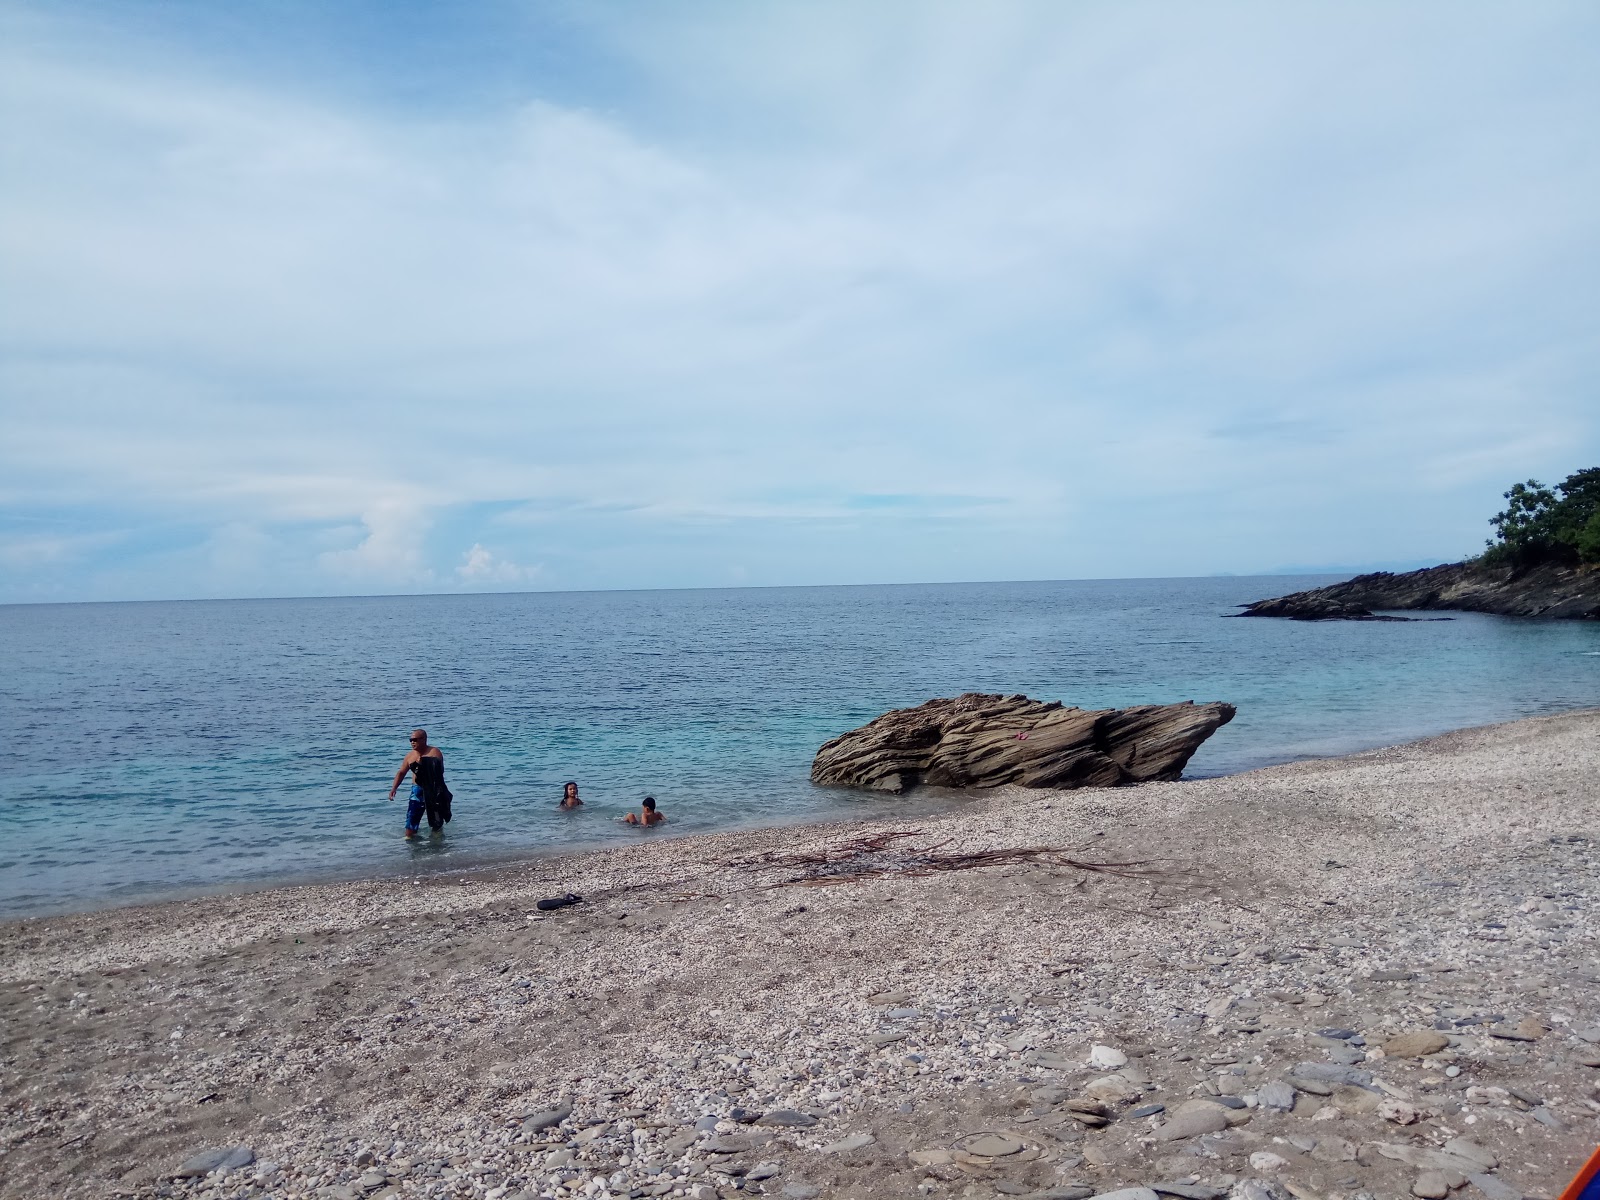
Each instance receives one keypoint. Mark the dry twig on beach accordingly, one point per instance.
(876, 855)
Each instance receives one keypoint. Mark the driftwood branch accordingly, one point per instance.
(881, 854)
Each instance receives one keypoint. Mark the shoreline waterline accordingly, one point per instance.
(919, 803)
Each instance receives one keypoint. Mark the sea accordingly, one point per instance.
(158, 750)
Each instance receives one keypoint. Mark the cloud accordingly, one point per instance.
(390, 549)
(479, 566)
(31, 552)
(832, 292)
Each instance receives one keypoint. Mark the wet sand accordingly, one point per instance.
(724, 1023)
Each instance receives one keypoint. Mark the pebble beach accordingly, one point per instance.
(1346, 979)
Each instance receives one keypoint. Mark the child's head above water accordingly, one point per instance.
(649, 804)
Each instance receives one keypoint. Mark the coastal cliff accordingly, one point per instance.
(977, 740)
(1554, 590)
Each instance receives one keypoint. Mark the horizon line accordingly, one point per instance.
(740, 587)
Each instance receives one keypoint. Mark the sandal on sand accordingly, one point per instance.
(558, 902)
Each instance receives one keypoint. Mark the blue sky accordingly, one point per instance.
(307, 299)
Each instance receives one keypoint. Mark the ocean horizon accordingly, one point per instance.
(170, 748)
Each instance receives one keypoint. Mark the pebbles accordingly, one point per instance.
(1017, 1032)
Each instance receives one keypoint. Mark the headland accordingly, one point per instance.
(1554, 590)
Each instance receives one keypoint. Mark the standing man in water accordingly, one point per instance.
(428, 793)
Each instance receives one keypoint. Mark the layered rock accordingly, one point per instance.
(979, 741)
(1550, 590)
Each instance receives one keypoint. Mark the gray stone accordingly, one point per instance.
(1133, 1193)
(880, 1040)
(736, 1143)
(1314, 1087)
(1330, 1149)
(903, 1014)
(1191, 1191)
(1529, 1029)
(1473, 1152)
(1148, 1110)
(990, 1145)
(764, 1170)
(1356, 1099)
(856, 1141)
(1431, 1185)
(1276, 1096)
(1331, 1073)
(1341, 1034)
(801, 1191)
(1202, 1119)
(534, 1122)
(787, 1118)
(208, 1161)
(1494, 1187)
(707, 1123)
(1071, 1192)
(1545, 1117)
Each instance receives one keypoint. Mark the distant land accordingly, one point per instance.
(1550, 590)
(1544, 561)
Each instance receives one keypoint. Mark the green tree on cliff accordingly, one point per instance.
(1541, 524)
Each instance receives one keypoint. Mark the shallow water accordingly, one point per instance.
(165, 749)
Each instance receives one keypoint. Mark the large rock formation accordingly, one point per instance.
(1550, 590)
(977, 740)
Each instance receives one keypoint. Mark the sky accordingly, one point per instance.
(301, 298)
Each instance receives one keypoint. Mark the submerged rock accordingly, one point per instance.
(977, 740)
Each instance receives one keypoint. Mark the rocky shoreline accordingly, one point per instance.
(1553, 590)
(1350, 979)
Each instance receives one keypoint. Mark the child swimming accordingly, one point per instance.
(649, 815)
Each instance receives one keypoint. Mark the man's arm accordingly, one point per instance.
(401, 773)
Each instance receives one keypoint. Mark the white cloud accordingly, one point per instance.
(1037, 253)
(479, 566)
(390, 552)
(30, 552)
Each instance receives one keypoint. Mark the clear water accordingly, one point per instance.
(161, 749)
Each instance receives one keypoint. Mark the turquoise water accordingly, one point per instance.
(160, 749)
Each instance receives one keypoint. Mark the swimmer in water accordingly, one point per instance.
(569, 796)
(649, 816)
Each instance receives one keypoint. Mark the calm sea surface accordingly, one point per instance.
(160, 749)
